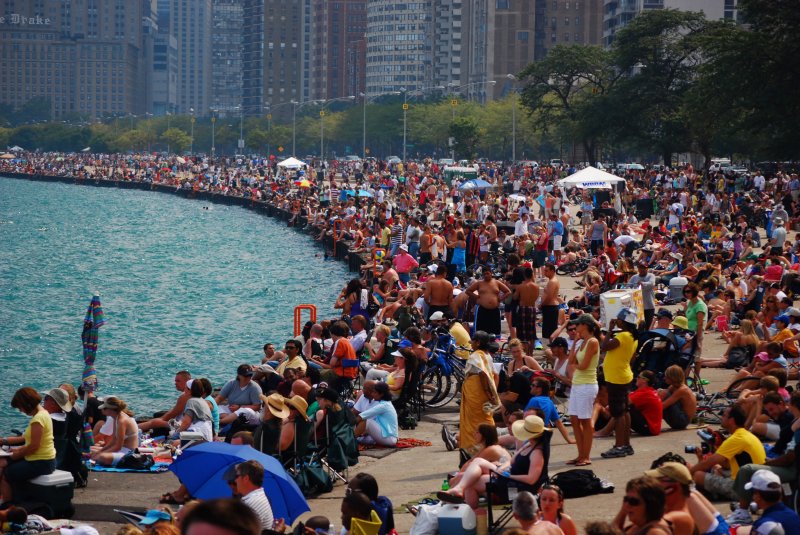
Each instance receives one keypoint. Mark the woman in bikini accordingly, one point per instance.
(551, 509)
(125, 437)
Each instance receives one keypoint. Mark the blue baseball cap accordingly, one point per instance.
(404, 343)
(153, 516)
(783, 318)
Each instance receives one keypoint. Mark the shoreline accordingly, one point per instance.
(340, 249)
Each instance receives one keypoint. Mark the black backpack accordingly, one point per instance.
(579, 482)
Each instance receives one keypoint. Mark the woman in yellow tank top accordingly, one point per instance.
(584, 357)
(36, 454)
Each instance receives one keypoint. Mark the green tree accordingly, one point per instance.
(5, 136)
(177, 140)
(565, 88)
(661, 50)
(466, 134)
(256, 140)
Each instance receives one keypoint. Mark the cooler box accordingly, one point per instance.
(56, 490)
(457, 519)
(676, 286)
(612, 301)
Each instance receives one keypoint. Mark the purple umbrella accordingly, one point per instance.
(91, 324)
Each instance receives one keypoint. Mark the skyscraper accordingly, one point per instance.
(273, 36)
(226, 55)
(189, 21)
(399, 46)
(338, 48)
(81, 59)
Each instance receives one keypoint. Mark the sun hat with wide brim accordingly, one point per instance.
(276, 405)
(531, 427)
(299, 404)
(60, 396)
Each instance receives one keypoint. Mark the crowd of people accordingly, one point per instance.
(480, 264)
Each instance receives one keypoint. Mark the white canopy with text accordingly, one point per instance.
(590, 178)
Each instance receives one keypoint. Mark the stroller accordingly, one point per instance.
(658, 350)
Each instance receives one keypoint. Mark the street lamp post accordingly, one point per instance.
(456, 89)
(322, 125)
(191, 147)
(513, 120)
(294, 126)
(364, 119)
(241, 128)
(213, 132)
(405, 109)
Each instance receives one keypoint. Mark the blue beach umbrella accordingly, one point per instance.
(201, 468)
(475, 183)
(364, 193)
(92, 322)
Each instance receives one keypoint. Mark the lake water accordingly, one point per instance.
(181, 286)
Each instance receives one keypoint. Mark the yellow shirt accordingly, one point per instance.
(743, 446)
(589, 375)
(617, 364)
(783, 337)
(295, 363)
(47, 448)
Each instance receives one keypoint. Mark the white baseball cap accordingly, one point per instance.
(628, 316)
(437, 316)
(764, 480)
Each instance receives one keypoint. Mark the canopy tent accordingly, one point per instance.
(291, 163)
(16, 148)
(590, 178)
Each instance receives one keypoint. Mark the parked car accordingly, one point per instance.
(529, 163)
(393, 159)
(446, 162)
(556, 162)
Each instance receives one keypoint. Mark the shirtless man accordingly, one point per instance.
(527, 293)
(438, 292)
(678, 401)
(389, 274)
(550, 301)
(487, 292)
(163, 422)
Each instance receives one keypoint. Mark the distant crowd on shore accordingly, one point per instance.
(449, 255)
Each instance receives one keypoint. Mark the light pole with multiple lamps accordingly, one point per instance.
(191, 147)
(295, 104)
(213, 128)
(240, 144)
(322, 125)
(364, 119)
(413, 94)
(513, 119)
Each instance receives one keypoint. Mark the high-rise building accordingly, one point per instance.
(510, 43)
(618, 13)
(189, 21)
(567, 22)
(273, 40)
(164, 78)
(399, 46)
(338, 48)
(226, 55)
(85, 59)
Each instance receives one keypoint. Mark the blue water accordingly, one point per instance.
(181, 287)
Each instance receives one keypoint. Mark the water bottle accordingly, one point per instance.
(331, 529)
(445, 485)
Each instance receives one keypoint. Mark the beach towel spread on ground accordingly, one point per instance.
(155, 469)
(402, 443)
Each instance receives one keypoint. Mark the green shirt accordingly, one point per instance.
(691, 313)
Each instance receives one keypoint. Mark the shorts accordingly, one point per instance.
(773, 431)
(617, 399)
(581, 401)
(22, 470)
(721, 527)
(675, 417)
(557, 243)
(721, 486)
(117, 456)
(526, 323)
(586, 218)
(539, 258)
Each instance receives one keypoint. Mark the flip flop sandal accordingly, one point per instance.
(412, 509)
(571, 461)
(583, 463)
(428, 501)
(446, 497)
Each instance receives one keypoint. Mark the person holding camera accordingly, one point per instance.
(776, 518)
(715, 472)
(783, 466)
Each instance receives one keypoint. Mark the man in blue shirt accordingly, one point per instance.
(541, 403)
(555, 230)
(777, 519)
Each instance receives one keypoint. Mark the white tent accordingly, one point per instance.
(16, 148)
(590, 178)
(291, 163)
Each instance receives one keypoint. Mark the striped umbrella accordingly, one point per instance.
(91, 324)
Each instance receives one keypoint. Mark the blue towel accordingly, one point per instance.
(156, 468)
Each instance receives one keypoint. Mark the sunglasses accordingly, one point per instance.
(633, 501)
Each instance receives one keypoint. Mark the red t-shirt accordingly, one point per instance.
(648, 403)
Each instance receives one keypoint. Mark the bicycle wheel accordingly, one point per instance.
(567, 268)
(435, 386)
(736, 387)
(710, 414)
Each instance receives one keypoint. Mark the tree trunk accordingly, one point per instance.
(667, 156)
(591, 149)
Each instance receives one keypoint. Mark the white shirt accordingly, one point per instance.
(258, 502)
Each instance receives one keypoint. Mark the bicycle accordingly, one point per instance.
(570, 268)
(443, 366)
